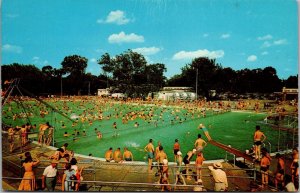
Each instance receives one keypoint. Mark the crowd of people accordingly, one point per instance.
(70, 178)
(282, 180)
(155, 155)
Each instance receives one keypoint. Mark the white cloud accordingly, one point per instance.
(198, 53)
(12, 15)
(118, 17)
(123, 38)
(252, 58)
(266, 44)
(35, 58)
(280, 42)
(205, 35)
(38, 61)
(266, 37)
(12, 48)
(264, 53)
(93, 60)
(148, 59)
(225, 36)
(147, 51)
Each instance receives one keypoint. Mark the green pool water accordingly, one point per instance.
(230, 128)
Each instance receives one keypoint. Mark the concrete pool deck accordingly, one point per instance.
(123, 176)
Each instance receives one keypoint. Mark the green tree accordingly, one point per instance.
(207, 71)
(31, 78)
(271, 82)
(291, 82)
(131, 74)
(75, 65)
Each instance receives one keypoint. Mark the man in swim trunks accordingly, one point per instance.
(127, 155)
(115, 128)
(204, 129)
(11, 137)
(23, 135)
(42, 129)
(199, 144)
(109, 155)
(157, 160)
(117, 155)
(259, 137)
(50, 135)
(264, 167)
(150, 149)
(295, 167)
(176, 148)
(186, 160)
(279, 173)
(160, 157)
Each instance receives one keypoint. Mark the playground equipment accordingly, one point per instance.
(13, 89)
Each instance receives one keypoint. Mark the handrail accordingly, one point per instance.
(268, 144)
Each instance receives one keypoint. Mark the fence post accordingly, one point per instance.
(94, 168)
(254, 175)
(234, 160)
(21, 167)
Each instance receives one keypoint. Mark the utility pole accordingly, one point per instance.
(61, 87)
(197, 83)
(89, 88)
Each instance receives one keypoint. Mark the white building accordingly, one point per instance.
(103, 92)
(175, 93)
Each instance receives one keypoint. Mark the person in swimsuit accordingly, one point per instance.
(157, 160)
(50, 135)
(11, 137)
(259, 137)
(179, 177)
(204, 129)
(199, 162)
(264, 167)
(199, 144)
(186, 160)
(160, 157)
(279, 174)
(150, 149)
(127, 155)
(115, 128)
(42, 129)
(109, 155)
(295, 167)
(176, 148)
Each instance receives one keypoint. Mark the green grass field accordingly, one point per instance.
(230, 128)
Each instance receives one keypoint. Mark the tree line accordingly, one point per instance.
(130, 73)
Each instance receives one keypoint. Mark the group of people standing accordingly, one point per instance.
(70, 178)
(183, 168)
(283, 181)
(20, 132)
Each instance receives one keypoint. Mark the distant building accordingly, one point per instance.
(118, 95)
(103, 92)
(176, 93)
(288, 93)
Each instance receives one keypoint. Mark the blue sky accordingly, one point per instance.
(237, 33)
